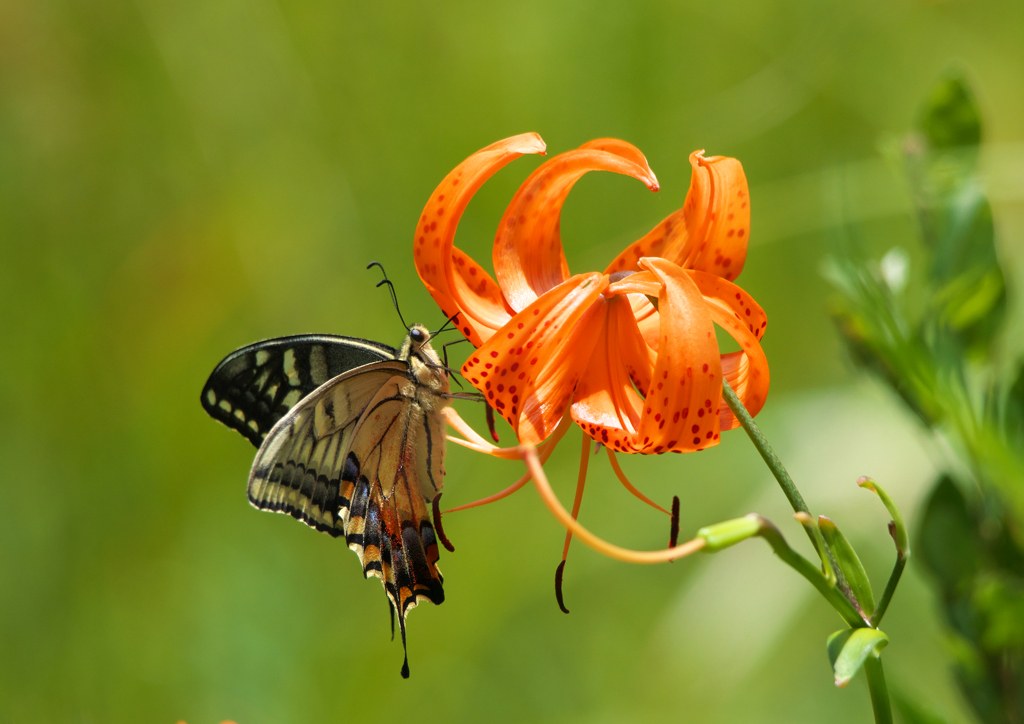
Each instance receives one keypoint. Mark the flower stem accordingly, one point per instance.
(890, 588)
(761, 443)
(789, 488)
(879, 691)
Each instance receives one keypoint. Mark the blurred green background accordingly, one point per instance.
(178, 179)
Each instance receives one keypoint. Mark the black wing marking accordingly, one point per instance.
(253, 387)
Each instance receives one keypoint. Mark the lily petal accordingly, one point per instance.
(717, 212)
(683, 401)
(710, 232)
(737, 313)
(607, 406)
(629, 152)
(529, 368)
(455, 282)
(528, 256)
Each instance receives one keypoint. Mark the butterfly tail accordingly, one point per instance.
(395, 541)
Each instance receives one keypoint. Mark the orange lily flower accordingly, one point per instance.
(554, 347)
(548, 340)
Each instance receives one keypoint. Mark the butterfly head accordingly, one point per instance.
(423, 360)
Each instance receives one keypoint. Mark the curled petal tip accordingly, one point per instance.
(528, 143)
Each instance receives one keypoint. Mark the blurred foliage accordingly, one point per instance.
(933, 333)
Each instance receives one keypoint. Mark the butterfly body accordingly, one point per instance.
(351, 438)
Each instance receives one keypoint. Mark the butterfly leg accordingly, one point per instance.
(446, 345)
(581, 481)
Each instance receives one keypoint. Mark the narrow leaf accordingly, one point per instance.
(819, 545)
(849, 648)
(850, 563)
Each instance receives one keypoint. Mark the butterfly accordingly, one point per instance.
(351, 441)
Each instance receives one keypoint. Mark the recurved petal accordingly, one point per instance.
(464, 287)
(737, 313)
(528, 256)
(529, 368)
(629, 152)
(717, 218)
(681, 411)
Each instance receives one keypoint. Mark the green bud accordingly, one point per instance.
(728, 533)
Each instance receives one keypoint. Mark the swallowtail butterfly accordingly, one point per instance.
(351, 439)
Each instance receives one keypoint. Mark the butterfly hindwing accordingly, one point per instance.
(387, 447)
(301, 467)
(253, 387)
(347, 459)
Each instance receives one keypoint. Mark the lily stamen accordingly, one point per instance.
(627, 555)
(628, 485)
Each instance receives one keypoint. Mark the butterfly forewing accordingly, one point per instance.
(253, 387)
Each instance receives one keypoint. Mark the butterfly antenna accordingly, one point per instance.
(391, 288)
(443, 326)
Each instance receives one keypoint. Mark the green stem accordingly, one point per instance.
(811, 572)
(770, 458)
(879, 691)
(785, 481)
(890, 588)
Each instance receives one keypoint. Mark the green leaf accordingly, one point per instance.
(1014, 421)
(850, 563)
(808, 523)
(729, 533)
(949, 116)
(849, 648)
(899, 527)
(947, 539)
